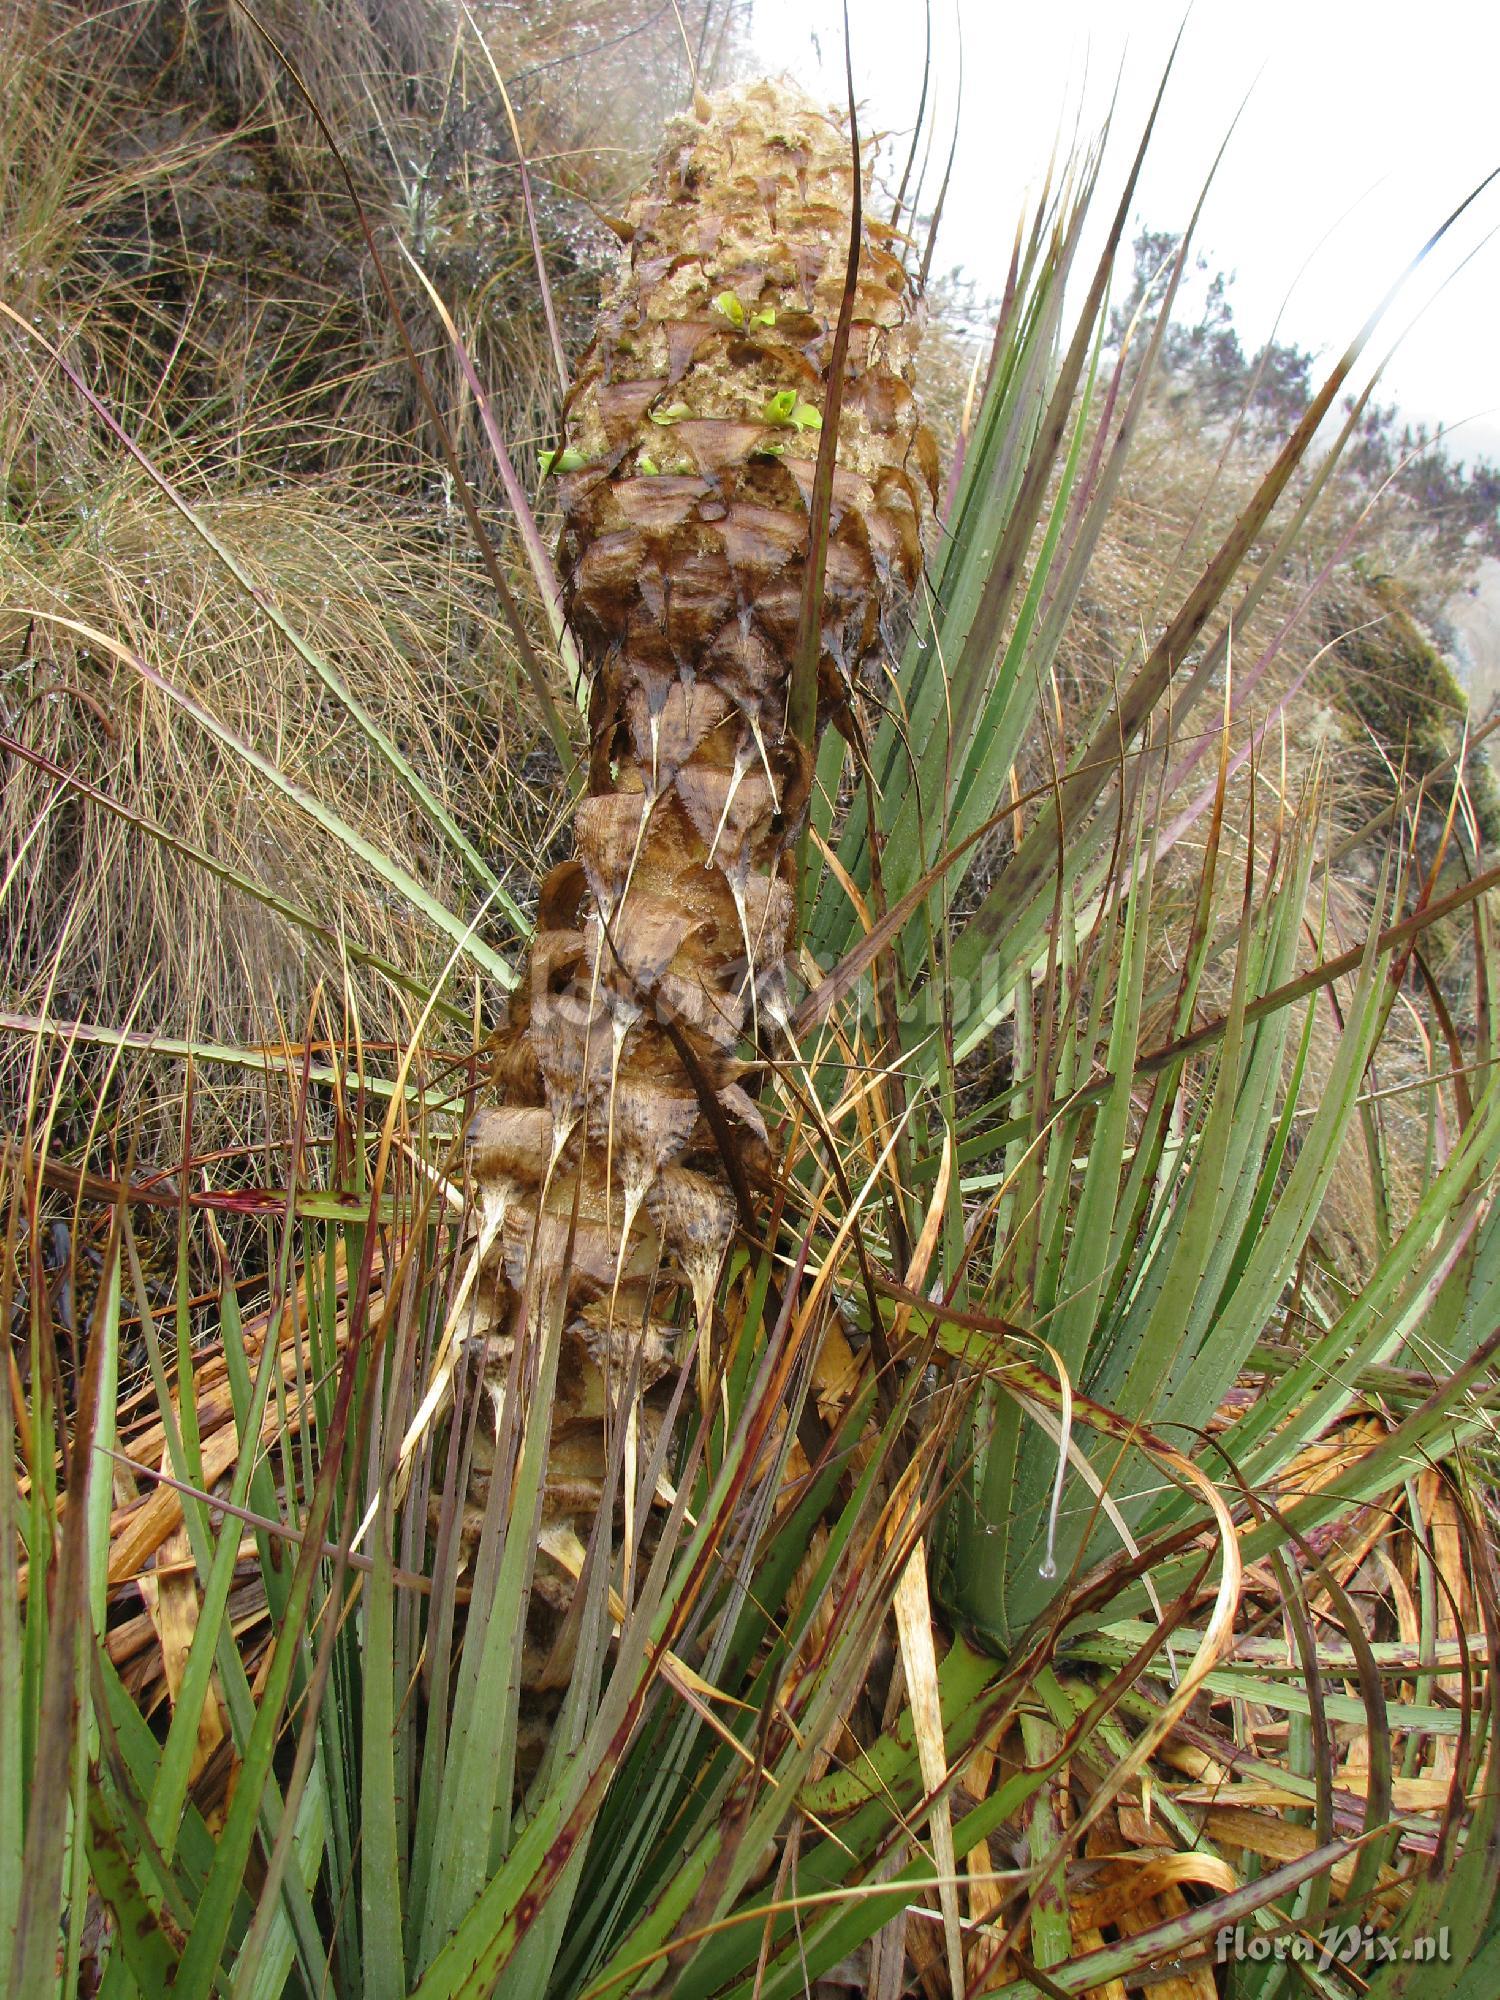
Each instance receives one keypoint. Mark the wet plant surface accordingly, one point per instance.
(758, 1260)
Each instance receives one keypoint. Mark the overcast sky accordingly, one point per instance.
(1365, 125)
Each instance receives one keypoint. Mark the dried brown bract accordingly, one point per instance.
(692, 435)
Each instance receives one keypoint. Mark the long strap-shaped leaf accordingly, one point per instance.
(326, 672)
(1083, 785)
(369, 851)
(235, 878)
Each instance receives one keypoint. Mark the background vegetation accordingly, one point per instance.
(1141, 1120)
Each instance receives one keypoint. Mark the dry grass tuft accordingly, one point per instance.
(172, 221)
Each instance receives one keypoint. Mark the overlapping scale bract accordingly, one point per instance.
(693, 431)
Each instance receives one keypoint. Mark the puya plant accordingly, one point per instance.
(624, 1151)
(592, 1457)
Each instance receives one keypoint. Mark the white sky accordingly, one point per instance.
(1366, 123)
